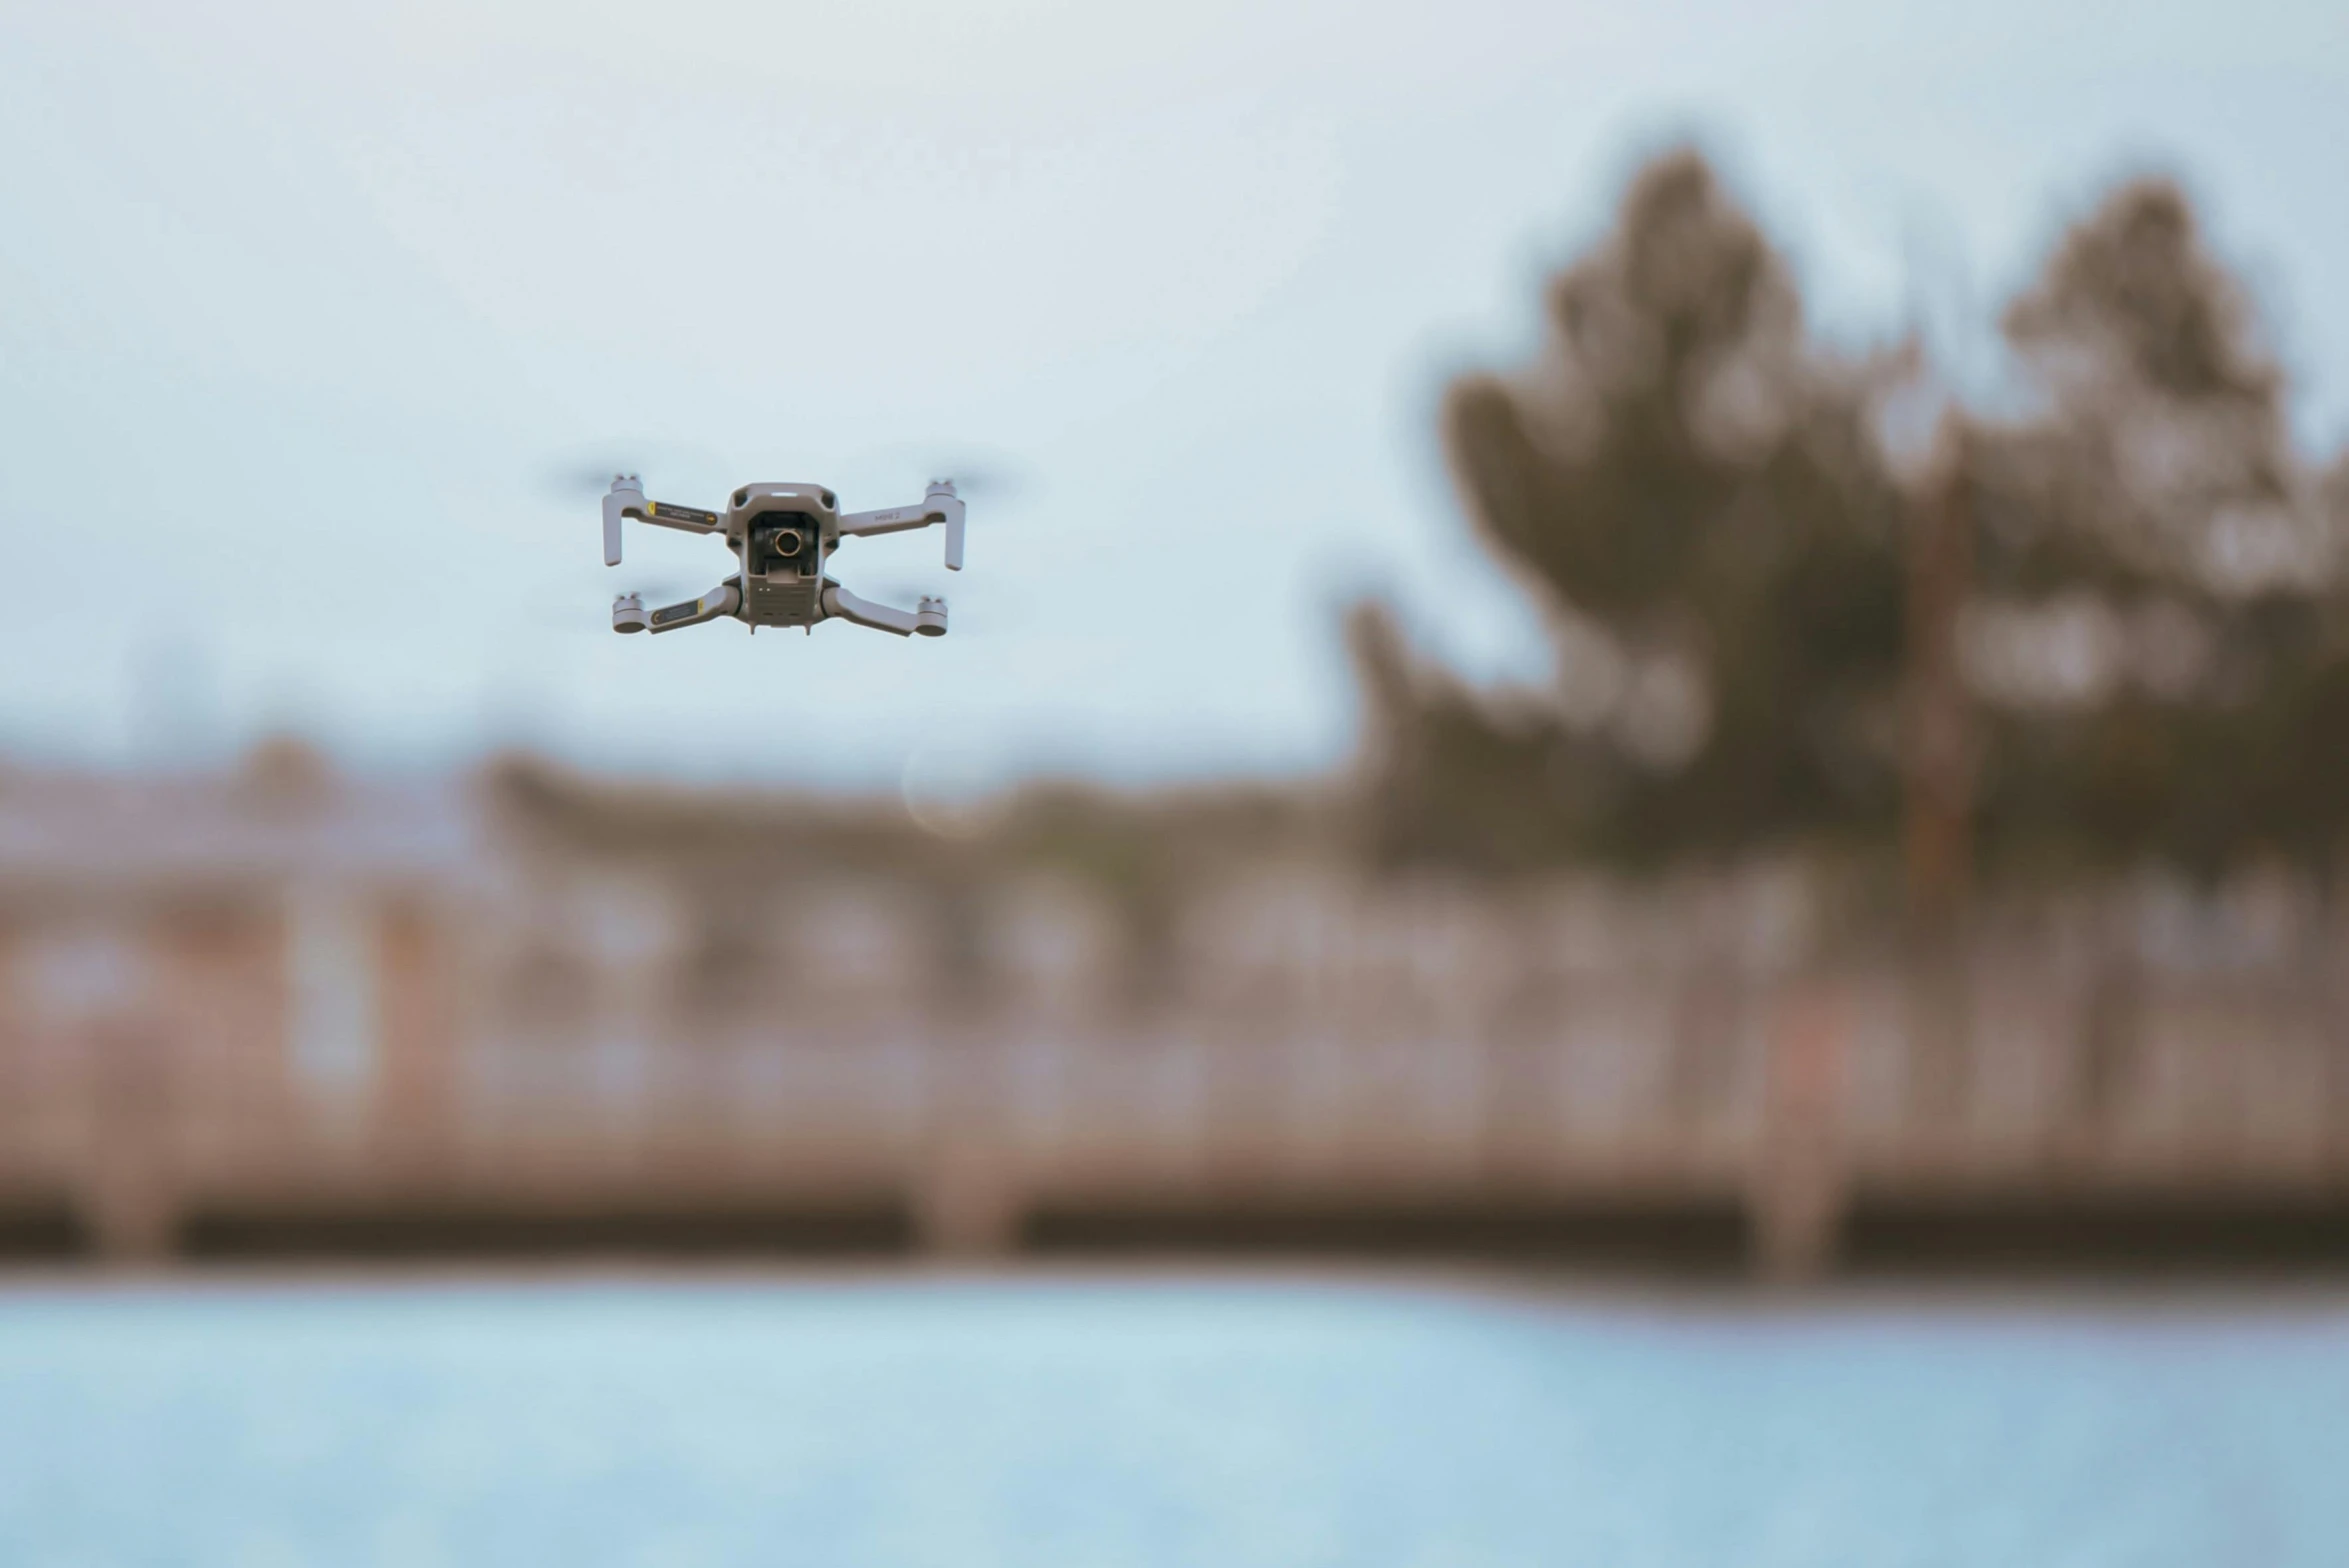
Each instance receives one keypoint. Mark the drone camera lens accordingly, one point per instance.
(786, 541)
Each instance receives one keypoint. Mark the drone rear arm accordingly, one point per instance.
(626, 499)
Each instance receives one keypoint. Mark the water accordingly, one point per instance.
(1141, 1422)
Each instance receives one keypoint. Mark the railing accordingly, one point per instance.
(1427, 1051)
(1589, 1110)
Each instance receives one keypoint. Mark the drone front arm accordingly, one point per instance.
(941, 505)
(928, 621)
(626, 499)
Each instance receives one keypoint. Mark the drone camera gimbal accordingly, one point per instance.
(782, 535)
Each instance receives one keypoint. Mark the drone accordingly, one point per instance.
(784, 536)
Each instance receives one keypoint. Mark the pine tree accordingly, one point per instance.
(1691, 486)
(2153, 633)
(2158, 636)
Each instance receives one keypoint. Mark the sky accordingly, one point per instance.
(312, 320)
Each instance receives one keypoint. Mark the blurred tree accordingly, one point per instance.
(2150, 620)
(2158, 634)
(1693, 490)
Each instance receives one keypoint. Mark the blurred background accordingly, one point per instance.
(1628, 849)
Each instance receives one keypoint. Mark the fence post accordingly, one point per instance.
(965, 1202)
(1798, 1190)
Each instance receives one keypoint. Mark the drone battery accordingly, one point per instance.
(769, 602)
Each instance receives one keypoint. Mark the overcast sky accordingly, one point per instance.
(305, 312)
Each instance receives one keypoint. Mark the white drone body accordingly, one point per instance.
(783, 535)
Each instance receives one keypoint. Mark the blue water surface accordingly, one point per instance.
(1141, 1421)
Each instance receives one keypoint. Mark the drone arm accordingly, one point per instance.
(928, 621)
(724, 599)
(941, 505)
(896, 520)
(839, 602)
(626, 499)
